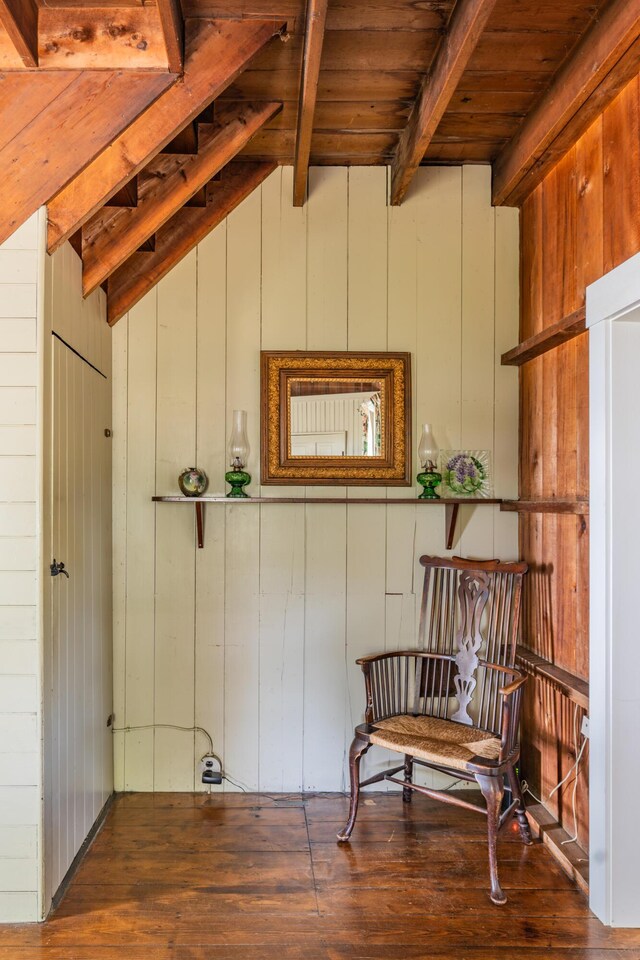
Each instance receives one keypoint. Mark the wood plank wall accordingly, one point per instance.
(77, 682)
(255, 636)
(583, 220)
(20, 751)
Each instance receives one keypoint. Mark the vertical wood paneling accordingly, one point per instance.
(438, 367)
(175, 563)
(366, 531)
(120, 400)
(505, 426)
(621, 157)
(139, 615)
(477, 340)
(325, 683)
(242, 559)
(81, 775)
(581, 221)
(282, 530)
(287, 597)
(211, 455)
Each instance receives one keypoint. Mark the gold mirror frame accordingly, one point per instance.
(392, 468)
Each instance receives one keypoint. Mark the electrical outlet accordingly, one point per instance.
(210, 771)
(584, 729)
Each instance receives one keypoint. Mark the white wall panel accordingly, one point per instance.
(20, 717)
(76, 518)
(284, 598)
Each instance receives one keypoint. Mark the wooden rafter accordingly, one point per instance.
(20, 21)
(216, 52)
(607, 57)
(313, 40)
(180, 235)
(467, 23)
(164, 187)
(33, 164)
(173, 30)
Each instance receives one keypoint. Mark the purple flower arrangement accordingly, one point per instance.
(466, 473)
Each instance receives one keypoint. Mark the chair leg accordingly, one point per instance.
(358, 748)
(516, 793)
(493, 790)
(408, 777)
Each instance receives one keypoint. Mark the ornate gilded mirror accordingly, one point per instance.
(336, 418)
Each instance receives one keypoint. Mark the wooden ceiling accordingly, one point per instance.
(142, 123)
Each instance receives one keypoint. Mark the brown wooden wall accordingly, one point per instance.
(581, 221)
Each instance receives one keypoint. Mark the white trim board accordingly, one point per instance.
(613, 319)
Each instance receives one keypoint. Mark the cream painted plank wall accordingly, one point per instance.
(254, 637)
(20, 465)
(76, 524)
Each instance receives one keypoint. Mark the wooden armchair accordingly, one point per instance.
(454, 704)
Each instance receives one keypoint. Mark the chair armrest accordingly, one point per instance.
(511, 701)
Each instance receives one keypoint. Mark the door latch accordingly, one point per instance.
(57, 568)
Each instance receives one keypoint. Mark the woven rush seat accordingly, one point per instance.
(444, 742)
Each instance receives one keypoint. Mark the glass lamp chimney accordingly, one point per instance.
(428, 449)
(239, 442)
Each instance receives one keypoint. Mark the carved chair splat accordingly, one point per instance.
(453, 705)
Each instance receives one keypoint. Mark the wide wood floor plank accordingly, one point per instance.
(241, 877)
(284, 951)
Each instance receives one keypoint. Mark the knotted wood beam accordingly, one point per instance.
(467, 23)
(180, 235)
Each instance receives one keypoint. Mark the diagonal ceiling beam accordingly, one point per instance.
(20, 20)
(180, 235)
(49, 139)
(313, 40)
(604, 61)
(216, 52)
(467, 23)
(171, 180)
(173, 29)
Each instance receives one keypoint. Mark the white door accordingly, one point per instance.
(79, 773)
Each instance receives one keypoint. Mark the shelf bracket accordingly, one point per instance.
(450, 521)
(200, 522)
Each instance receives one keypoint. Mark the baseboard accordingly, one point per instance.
(571, 857)
(77, 860)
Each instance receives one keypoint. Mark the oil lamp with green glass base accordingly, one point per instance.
(428, 451)
(237, 477)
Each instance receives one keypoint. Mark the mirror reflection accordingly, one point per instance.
(335, 417)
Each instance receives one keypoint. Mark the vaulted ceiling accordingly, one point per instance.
(143, 123)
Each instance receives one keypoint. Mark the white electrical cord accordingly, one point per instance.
(173, 726)
(575, 766)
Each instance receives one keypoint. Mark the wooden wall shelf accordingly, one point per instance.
(576, 689)
(566, 329)
(451, 505)
(580, 507)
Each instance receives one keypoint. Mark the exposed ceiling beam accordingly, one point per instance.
(467, 23)
(606, 58)
(216, 52)
(164, 187)
(313, 40)
(172, 25)
(73, 37)
(48, 139)
(20, 20)
(181, 234)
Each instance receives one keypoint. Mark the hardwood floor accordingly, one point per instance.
(250, 877)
